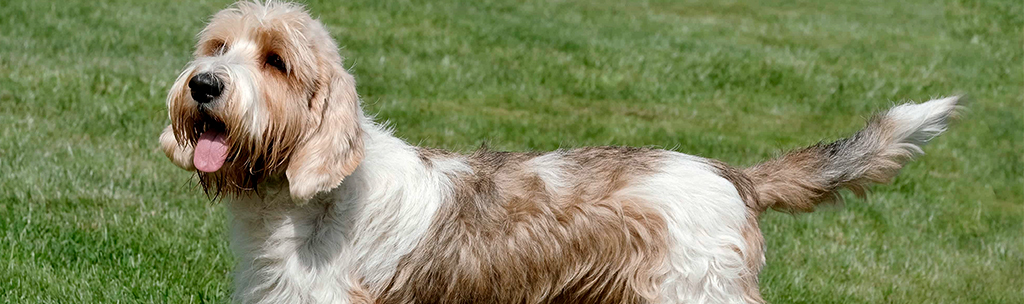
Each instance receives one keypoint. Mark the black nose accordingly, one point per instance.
(205, 87)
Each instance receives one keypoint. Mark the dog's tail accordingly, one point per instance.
(800, 180)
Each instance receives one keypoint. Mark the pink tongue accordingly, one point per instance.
(211, 151)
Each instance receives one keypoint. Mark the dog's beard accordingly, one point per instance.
(233, 178)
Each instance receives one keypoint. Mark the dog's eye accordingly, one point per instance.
(275, 61)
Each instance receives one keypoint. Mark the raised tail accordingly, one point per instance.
(800, 180)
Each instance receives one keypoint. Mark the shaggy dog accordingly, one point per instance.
(330, 207)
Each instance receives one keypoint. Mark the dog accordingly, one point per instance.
(329, 206)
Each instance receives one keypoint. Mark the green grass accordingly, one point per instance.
(91, 211)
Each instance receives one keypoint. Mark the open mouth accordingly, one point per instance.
(211, 149)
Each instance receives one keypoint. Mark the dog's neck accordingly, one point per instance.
(359, 229)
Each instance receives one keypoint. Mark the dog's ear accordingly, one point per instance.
(333, 147)
(180, 155)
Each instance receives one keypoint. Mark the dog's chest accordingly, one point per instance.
(327, 247)
(289, 253)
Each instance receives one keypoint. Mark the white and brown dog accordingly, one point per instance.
(330, 207)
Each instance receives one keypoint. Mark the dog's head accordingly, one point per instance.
(265, 95)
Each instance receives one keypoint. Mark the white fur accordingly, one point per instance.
(705, 215)
(550, 168)
(916, 124)
(397, 197)
(312, 253)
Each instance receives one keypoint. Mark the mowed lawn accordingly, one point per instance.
(91, 211)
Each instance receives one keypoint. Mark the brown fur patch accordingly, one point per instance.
(358, 294)
(507, 236)
(800, 180)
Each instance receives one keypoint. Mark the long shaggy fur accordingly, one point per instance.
(330, 207)
(800, 180)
